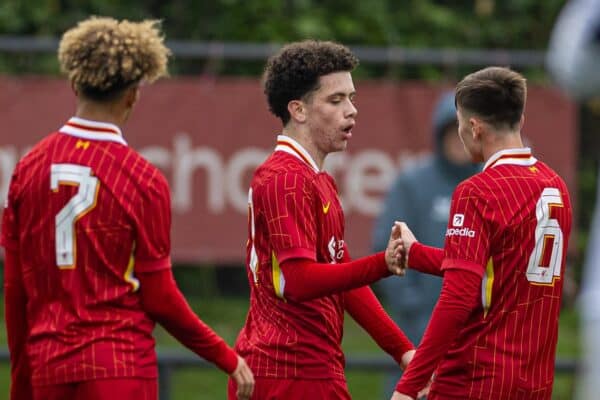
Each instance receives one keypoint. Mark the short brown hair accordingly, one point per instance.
(295, 70)
(495, 94)
(102, 56)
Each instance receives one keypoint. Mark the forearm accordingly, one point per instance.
(366, 310)
(426, 259)
(458, 298)
(307, 280)
(15, 302)
(164, 303)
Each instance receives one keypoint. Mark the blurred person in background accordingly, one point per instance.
(86, 235)
(301, 276)
(420, 196)
(574, 61)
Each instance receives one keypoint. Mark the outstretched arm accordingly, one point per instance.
(165, 304)
(367, 311)
(306, 280)
(459, 297)
(426, 259)
(15, 303)
(420, 257)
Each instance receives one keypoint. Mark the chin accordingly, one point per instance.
(339, 146)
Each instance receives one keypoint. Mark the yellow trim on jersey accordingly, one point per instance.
(488, 283)
(277, 277)
(128, 276)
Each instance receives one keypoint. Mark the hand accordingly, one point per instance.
(400, 396)
(408, 239)
(394, 253)
(244, 379)
(406, 358)
(425, 391)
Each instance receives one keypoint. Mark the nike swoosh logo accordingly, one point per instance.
(326, 207)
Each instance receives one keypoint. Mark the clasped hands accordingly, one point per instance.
(396, 253)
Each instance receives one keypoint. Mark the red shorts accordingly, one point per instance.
(294, 389)
(100, 389)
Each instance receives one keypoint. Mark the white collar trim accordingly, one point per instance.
(93, 130)
(521, 156)
(291, 146)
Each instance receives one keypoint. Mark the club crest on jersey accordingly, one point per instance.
(336, 249)
(458, 220)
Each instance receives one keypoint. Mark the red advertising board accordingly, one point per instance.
(207, 136)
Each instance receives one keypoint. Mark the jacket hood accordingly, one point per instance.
(443, 115)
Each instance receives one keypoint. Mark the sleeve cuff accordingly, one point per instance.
(228, 360)
(465, 265)
(402, 388)
(414, 254)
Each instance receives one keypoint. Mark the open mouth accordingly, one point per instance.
(348, 129)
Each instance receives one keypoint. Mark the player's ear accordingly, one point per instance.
(521, 122)
(476, 128)
(297, 110)
(132, 95)
(74, 89)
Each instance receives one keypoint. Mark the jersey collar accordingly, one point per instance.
(93, 130)
(290, 146)
(520, 156)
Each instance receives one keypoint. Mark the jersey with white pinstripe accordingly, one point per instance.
(86, 212)
(294, 212)
(510, 224)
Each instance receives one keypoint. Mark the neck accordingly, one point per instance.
(501, 141)
(99, 112)
(302, 136)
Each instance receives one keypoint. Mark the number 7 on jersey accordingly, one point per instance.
(80, 204)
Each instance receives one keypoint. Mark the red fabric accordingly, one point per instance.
(458, 299)
(366, 310)
(294, 389)
(294, 212)
(500, 220)
(100, 389)
(307, 280)
(426, 259)
(165, 304)
(91, 304)
(15, 303)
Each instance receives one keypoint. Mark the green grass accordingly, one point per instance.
(226, 316)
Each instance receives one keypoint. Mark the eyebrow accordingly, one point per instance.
(342, 94)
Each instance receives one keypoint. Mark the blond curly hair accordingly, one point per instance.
(103, 56)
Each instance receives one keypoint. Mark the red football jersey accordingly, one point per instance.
(510, 224)
(86, 212)
(294, 212)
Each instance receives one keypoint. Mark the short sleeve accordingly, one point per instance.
(467, 243)
(9, 234)
(286, 202)
(153, 242)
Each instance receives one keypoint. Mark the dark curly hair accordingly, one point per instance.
(294, 71)
(495, 94)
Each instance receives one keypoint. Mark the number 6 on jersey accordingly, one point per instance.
(83, 201)
(546, 257)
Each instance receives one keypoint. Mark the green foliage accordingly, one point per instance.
(429, 23)
(516, 24)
